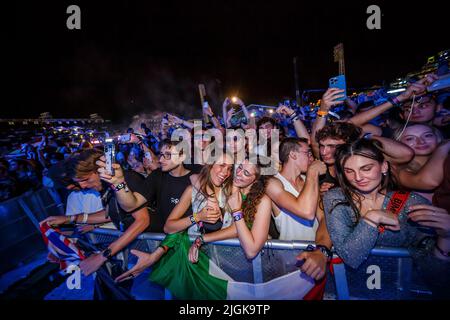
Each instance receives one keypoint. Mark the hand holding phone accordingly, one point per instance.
(339, 83)
(110, 157)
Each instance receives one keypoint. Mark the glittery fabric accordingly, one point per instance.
(353, 242)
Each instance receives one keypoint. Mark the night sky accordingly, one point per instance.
(135, 57)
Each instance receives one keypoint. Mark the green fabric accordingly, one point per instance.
(184, 279)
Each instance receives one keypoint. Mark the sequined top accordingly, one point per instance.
(353, 240)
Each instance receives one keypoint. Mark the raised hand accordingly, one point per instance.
(329, 98)
(418, 88)
(285, 110)
(317, 167)
(118, 176)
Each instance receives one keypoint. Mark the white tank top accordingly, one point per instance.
(199, 202)
(290, 226)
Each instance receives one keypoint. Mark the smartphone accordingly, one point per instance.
(110, 157)
(125, 138)
(339, 82)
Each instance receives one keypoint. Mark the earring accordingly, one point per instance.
(384, 173)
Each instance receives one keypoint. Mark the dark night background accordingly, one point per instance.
(133, 57)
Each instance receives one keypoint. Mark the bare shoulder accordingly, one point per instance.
(194, 179)
(265, 201)
(274, 183)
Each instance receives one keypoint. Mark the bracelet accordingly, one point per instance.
(322, 113)
(199, 241)
(195, 214)
(293, 116)
(445, 254)
(193, 221)
(237, 215)
(85, 218)
(73, 218)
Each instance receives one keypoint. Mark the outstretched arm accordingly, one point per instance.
(395, 152)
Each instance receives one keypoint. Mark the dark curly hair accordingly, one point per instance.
(339, 130)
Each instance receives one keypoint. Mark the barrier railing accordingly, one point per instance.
(278, 257)
(21, 239)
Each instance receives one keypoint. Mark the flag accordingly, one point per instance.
(62, 249)
(204, 280)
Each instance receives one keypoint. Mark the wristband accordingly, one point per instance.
(395, 102)
(199, 241)
(293, 116)
(85, 217)
(326, 252)
(237, 215)
(322, 113)
(195, 214)
(193, 221)
(73, 218)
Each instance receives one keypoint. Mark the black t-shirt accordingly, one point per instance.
(327, 177)
(122, 219)
(163, 192)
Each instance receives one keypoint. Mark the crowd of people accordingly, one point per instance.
(378, 176)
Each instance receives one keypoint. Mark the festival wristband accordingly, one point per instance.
(395, 102)
(322, 113)
(195, 214)
(85, 218)
(237, 215)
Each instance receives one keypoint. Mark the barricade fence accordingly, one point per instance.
(20, 238)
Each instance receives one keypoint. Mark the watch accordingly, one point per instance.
(326, 252)
(121, 186)
(107, 253)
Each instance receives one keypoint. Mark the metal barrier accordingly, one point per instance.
(21, 239)
(279, 257)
